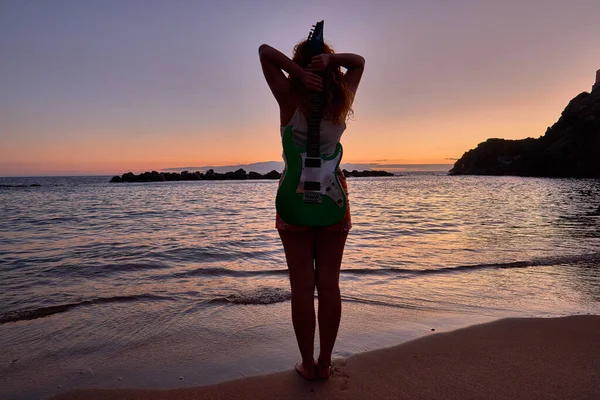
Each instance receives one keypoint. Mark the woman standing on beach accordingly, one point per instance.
(314, 255)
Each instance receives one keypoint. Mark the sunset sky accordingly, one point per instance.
(105, 87)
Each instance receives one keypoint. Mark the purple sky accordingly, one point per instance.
(108, 86)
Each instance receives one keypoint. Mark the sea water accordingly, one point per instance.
(185, 283)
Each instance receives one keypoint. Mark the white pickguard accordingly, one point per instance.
(326, 175)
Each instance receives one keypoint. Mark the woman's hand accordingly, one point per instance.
(311, 81)
(319, 63)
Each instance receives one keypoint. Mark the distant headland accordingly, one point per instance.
(568, 149)
(211, 175)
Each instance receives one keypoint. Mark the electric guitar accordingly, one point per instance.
(310, 193)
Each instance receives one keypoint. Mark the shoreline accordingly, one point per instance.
(508, 358)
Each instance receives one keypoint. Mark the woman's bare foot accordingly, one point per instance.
(323, 370)
(306, 373)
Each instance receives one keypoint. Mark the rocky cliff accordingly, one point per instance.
(570, 148)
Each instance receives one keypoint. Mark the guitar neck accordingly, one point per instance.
(315, 114)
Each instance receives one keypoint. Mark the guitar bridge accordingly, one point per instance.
(312, 197)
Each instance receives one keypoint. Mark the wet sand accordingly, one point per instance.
(516, 358)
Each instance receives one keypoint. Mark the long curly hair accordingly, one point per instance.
(337, 97)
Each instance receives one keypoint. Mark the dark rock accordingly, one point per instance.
(365, 173)
(155, 176)
(240, 174)
(210, 174)
(128, 177)
(272, 175)
(570, 148)
(376, 173)
(254, 175)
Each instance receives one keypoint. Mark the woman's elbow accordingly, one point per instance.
(361, 61)
(262, 49)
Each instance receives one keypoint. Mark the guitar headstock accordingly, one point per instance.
(315, 39)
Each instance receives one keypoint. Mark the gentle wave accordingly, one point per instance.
(265, 295)
(539, 262)
(24, 315)
(354, 299)
(220, 272)
(269, 295)
(19, 186)
(210, 254)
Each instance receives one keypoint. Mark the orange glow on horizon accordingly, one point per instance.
(437, 137)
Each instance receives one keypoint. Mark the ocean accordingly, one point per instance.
(176, 284)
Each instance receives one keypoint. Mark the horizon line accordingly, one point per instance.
(365, 165)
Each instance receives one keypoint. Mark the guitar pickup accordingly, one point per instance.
(312, 186)
(312, 197)
(312, 162)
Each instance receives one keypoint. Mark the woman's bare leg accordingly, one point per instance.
(328, 259)
(299, 253)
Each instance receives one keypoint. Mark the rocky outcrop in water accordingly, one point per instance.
(211, 175)
(365, 173)
(570, 148)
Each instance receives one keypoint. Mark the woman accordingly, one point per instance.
(314, 255)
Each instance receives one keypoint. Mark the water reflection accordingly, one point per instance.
(185, 254)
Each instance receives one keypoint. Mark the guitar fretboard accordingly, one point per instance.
(313, 142)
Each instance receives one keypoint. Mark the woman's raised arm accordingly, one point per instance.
(354, 64)
(273, 64)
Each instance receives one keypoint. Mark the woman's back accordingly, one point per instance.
(330, 132)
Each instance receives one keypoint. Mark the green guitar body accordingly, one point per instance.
(290, 201)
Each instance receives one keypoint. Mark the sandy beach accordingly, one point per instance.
(516, 358)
